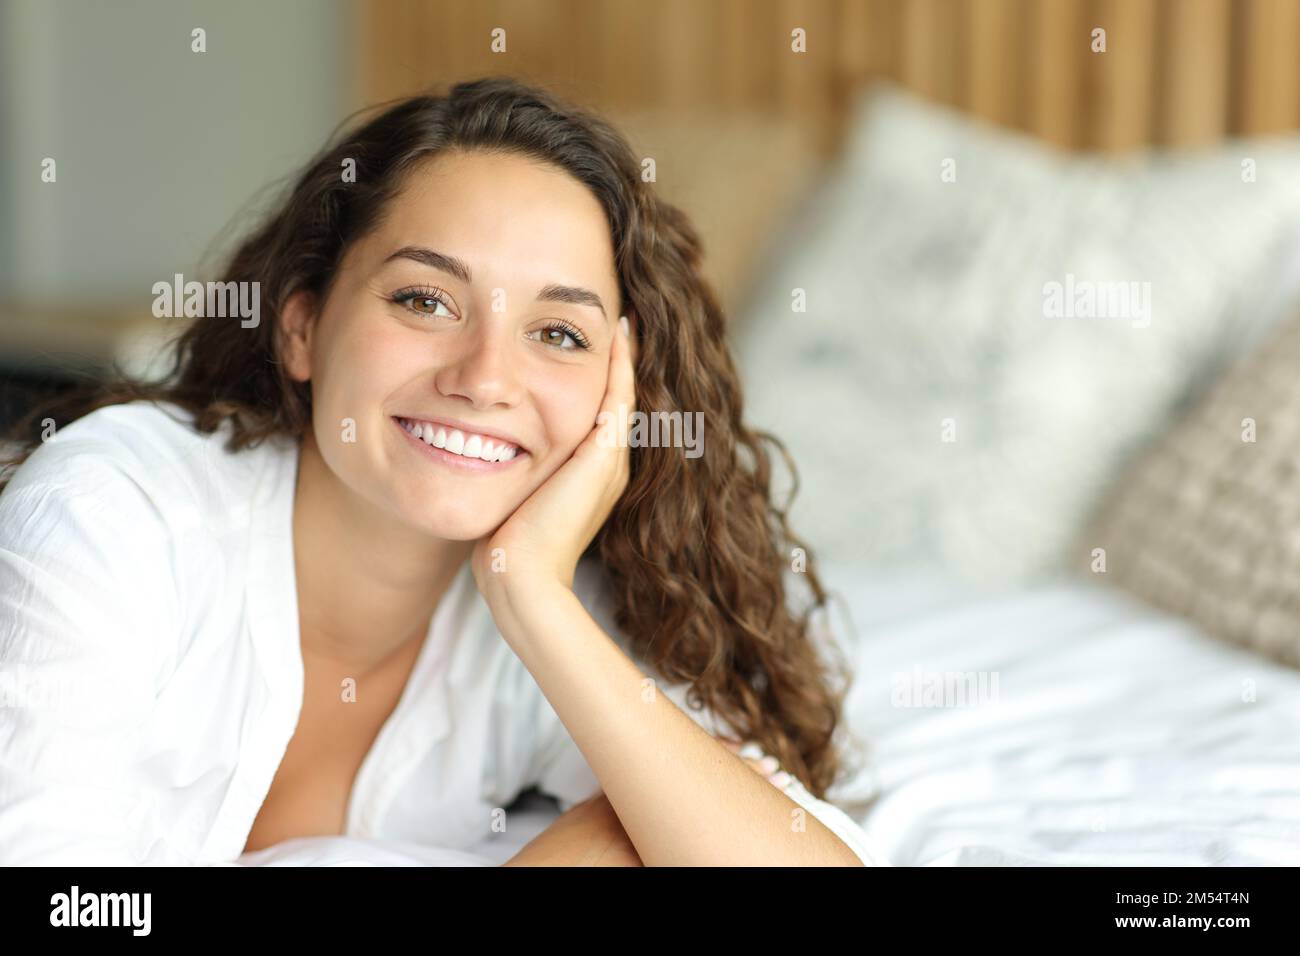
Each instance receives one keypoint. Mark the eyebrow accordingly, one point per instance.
(574, 295)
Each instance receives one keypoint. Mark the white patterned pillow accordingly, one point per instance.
(939, 416)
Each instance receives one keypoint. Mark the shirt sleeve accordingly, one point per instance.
(562, 772)
(88, 617)
(835, 819)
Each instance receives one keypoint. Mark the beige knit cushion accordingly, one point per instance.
(1207, 522)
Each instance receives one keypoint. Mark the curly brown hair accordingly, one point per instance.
(697, 554)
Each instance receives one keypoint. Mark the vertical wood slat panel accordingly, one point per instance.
(807, 80)
(616, 53)
(368, 33)
(380, 55)
(856, 51)
(1058, 36)
(885, 37)
(931, 47)
(590, 32)
(1193, 98)
(994, 69)
(427, 51)
(801, 76)
(760, 25)
(869, 50)
(739, 59)
(577, 74)
(683, 75)
(1269, 81)
(1177, 72)
(1119, 84)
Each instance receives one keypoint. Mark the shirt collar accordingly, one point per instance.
(271, 581)
(422, 715)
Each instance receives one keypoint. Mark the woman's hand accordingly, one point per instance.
(764, 765)
(544, 538)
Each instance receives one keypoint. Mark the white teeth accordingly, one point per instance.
(454, 440)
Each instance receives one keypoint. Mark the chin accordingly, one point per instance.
(457, 525)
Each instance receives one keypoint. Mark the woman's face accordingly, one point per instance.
(487, 299)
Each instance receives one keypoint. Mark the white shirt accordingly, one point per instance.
(151, 672)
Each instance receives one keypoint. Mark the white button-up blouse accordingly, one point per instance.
(151, 674)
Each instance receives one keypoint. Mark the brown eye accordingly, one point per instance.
(555, 335)
(423, 301)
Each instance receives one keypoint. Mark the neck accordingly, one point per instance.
(368, 584)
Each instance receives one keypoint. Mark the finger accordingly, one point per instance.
(632, 349)
(621, 389)
(766, 764)
(774, 774)
(614, 418)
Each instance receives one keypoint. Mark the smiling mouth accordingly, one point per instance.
(465, 448)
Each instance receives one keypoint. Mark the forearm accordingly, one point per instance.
(589, 834)
(682, 797)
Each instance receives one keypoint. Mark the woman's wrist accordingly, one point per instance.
(516, 599)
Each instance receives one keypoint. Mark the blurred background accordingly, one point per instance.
(885, 188)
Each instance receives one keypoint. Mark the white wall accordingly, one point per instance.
(157, 148)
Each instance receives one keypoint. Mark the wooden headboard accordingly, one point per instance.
(1174, 72)
(740, 123)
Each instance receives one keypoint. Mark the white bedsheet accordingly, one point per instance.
(530, 815)
(1119, 736)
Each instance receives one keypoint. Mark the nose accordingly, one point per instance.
(482, 365)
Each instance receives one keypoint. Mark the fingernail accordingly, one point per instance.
(622, 324)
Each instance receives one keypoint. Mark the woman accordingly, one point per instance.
(374, 562)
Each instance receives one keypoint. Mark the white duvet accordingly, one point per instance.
(1104, 733)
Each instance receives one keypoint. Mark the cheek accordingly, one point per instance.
(364, 360)
(569, 407)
